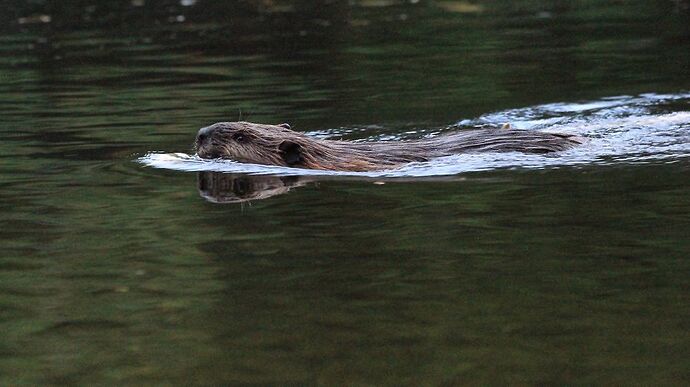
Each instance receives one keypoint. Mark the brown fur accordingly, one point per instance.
(278, 145)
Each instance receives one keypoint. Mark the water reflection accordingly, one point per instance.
(113, 273)
(217, 187)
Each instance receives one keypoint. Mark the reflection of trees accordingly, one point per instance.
(114, 14)
(318, 63)
(238, 47)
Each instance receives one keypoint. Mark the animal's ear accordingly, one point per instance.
(285, 125)
(291, 153)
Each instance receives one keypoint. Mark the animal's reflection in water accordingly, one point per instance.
(219, 187)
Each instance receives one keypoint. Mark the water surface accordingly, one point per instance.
(124, 260)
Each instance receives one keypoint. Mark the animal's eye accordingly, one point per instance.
(239, 137)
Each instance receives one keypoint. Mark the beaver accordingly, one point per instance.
(280, 145)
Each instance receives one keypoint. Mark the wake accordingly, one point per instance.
(649, 128)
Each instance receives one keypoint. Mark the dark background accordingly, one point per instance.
(115, 273)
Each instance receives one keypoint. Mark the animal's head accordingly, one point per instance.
(252, 143)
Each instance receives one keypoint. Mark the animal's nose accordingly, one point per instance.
(204, 133)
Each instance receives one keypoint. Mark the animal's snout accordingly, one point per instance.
(204, 148)
(204, 134)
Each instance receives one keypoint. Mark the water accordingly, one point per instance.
(125, 260)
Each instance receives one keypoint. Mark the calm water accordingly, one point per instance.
(126, 260)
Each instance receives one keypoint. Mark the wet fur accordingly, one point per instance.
(279, 145)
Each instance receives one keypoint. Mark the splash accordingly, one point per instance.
(649, 128)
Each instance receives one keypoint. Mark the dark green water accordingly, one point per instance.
(113, 272)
